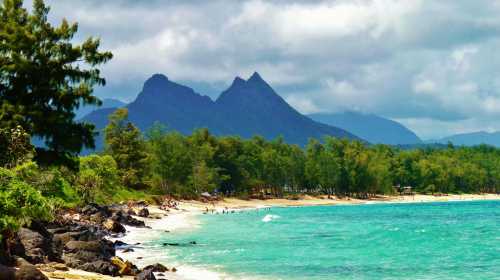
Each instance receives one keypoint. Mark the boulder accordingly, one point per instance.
(124, 267)
(77, 253)
(100, 266)
(145, 275)
(114, 226)
(127, 219)
(144, 212)
(33, 246)
(147, 272)
(7, 273)
(98, 218)
(119, 243)
(158, 267)
(75, 246)
(28, 271)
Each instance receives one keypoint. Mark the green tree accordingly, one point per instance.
(124, 142)
(44, 77)
(171, 159)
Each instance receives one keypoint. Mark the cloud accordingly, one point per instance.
(419, 61)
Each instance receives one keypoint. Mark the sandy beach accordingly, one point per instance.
(184, 218)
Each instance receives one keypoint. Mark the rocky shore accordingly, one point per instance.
(77, 240)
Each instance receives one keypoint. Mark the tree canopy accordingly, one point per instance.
(44, 77)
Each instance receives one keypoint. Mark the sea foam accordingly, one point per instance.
(269, 218)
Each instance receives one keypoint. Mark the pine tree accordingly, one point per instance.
(44, 77)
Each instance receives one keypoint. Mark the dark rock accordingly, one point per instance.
(34, 246)
(98, 217)
(7, 273)
(131, 212)
(74, 246)
(128, 250)
(127, 219)
(119, 243)
(158, 267)
(114, 226)
(145, 275)
(171, 244)
(148, 272)
(77, 253)
(144, 212)
(92, 209)
(29, 272)
(100, 266)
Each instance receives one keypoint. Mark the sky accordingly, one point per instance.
(432, 65)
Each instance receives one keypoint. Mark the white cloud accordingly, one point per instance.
(419, 60)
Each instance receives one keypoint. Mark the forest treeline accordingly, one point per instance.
(186, 166)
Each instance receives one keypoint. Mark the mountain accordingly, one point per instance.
(471, 139)
(372, 128)
(253, 107)
(246, 108)
(106, 103)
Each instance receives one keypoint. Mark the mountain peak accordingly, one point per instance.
(156, 81)
(256, 77)
(238, 82)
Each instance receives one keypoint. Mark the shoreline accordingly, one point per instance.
(184, 219)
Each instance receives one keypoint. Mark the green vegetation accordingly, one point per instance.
(44, 77)
(189, 165)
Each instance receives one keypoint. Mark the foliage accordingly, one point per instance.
(44, 77)
(125, 144)
(15, 147)
(20, 202)
(189, 165)
(97, 176)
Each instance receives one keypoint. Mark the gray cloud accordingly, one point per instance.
(432, 65)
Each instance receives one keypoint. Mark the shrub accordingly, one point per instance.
(20, 203)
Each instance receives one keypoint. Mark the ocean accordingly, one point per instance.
(452, 240)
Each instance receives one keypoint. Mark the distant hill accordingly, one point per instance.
(106, 103)
(471, 139)
(372, 128)
(246, 108)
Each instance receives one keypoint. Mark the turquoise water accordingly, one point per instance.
(455, 240)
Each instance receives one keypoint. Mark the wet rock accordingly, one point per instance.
(147, 272)
(119, 243)
(128, 250)
(158, 267)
